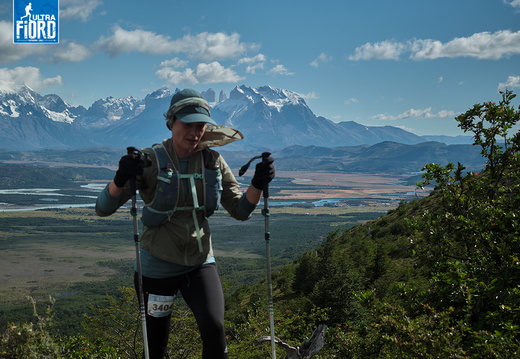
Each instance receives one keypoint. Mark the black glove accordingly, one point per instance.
(129, 166)
(264, 173)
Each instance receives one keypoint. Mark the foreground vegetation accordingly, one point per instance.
(79, 258)
(435, 278)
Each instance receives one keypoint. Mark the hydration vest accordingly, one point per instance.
(165, 201)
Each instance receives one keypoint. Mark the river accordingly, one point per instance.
(50, 198)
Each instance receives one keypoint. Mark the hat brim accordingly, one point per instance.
(194, 117)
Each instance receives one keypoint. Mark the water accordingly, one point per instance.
(36, 208)
(89, 192)
(318, 203)
(50, 195)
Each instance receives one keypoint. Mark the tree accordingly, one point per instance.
(472, 241)
(466, 245)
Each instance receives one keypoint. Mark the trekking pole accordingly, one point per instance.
(267, 235)
(133, 211)
(266, 214)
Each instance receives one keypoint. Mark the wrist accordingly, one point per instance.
(120, 179)
(114, 190)
(252, 186)
(257, 184)
(253, 195)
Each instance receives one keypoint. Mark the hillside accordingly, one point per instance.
(405, 285)
(385, 157)
(31, 176)
(435, 278)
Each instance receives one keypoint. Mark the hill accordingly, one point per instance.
(435, 278)
(385, 157)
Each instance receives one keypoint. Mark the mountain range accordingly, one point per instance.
(269, 118)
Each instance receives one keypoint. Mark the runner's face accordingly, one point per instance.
(186, 136)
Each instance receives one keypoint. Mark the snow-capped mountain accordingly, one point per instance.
(27, 103)
(211, 96)
(275, 118)
(269, 118)
(31, 121)
(106, 112)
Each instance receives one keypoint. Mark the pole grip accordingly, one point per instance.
(265, 188)
(133, 151)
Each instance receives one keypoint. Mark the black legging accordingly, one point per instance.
(202, 291)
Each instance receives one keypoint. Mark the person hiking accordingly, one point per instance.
(182, 182)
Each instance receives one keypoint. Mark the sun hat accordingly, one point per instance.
(188, 106)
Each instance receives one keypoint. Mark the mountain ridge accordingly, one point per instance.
(384, 157)
(270, 119)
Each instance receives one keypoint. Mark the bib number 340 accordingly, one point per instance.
(160, 305)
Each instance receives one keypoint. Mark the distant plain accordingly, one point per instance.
(45, 250)
(71, 254)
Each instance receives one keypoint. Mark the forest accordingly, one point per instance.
(437, 277)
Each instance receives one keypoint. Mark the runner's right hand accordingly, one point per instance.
(129, 166)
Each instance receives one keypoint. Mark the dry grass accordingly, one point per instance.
(29, 265)
(326, 185)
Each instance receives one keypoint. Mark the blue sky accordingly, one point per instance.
(414, 64)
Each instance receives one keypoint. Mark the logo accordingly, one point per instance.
(35, 21)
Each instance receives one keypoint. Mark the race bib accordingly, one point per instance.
(160, 305)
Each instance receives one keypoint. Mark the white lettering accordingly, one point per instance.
(43, 17)
(19, 28)
(33, 30)
(51, 29)
(41, 30)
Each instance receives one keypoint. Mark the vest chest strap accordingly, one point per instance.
(196, 206)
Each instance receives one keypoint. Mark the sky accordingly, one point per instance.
(413, 64)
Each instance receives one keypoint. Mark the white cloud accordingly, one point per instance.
(511, 83)
(416, 113)
(70, 52)
(204, 46)
(350, 101)
(251, 69)
(280, 70)
(254, 59)
(513, 3)
(10, 52)
(213, 46)
(175, 63)
(253, 63)
(483, 45)
(122, 41)
(203, 74)
(309, 96)
(14, 79)
(63, 52)
(322, 58)
(385, 50)
(78, 9)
